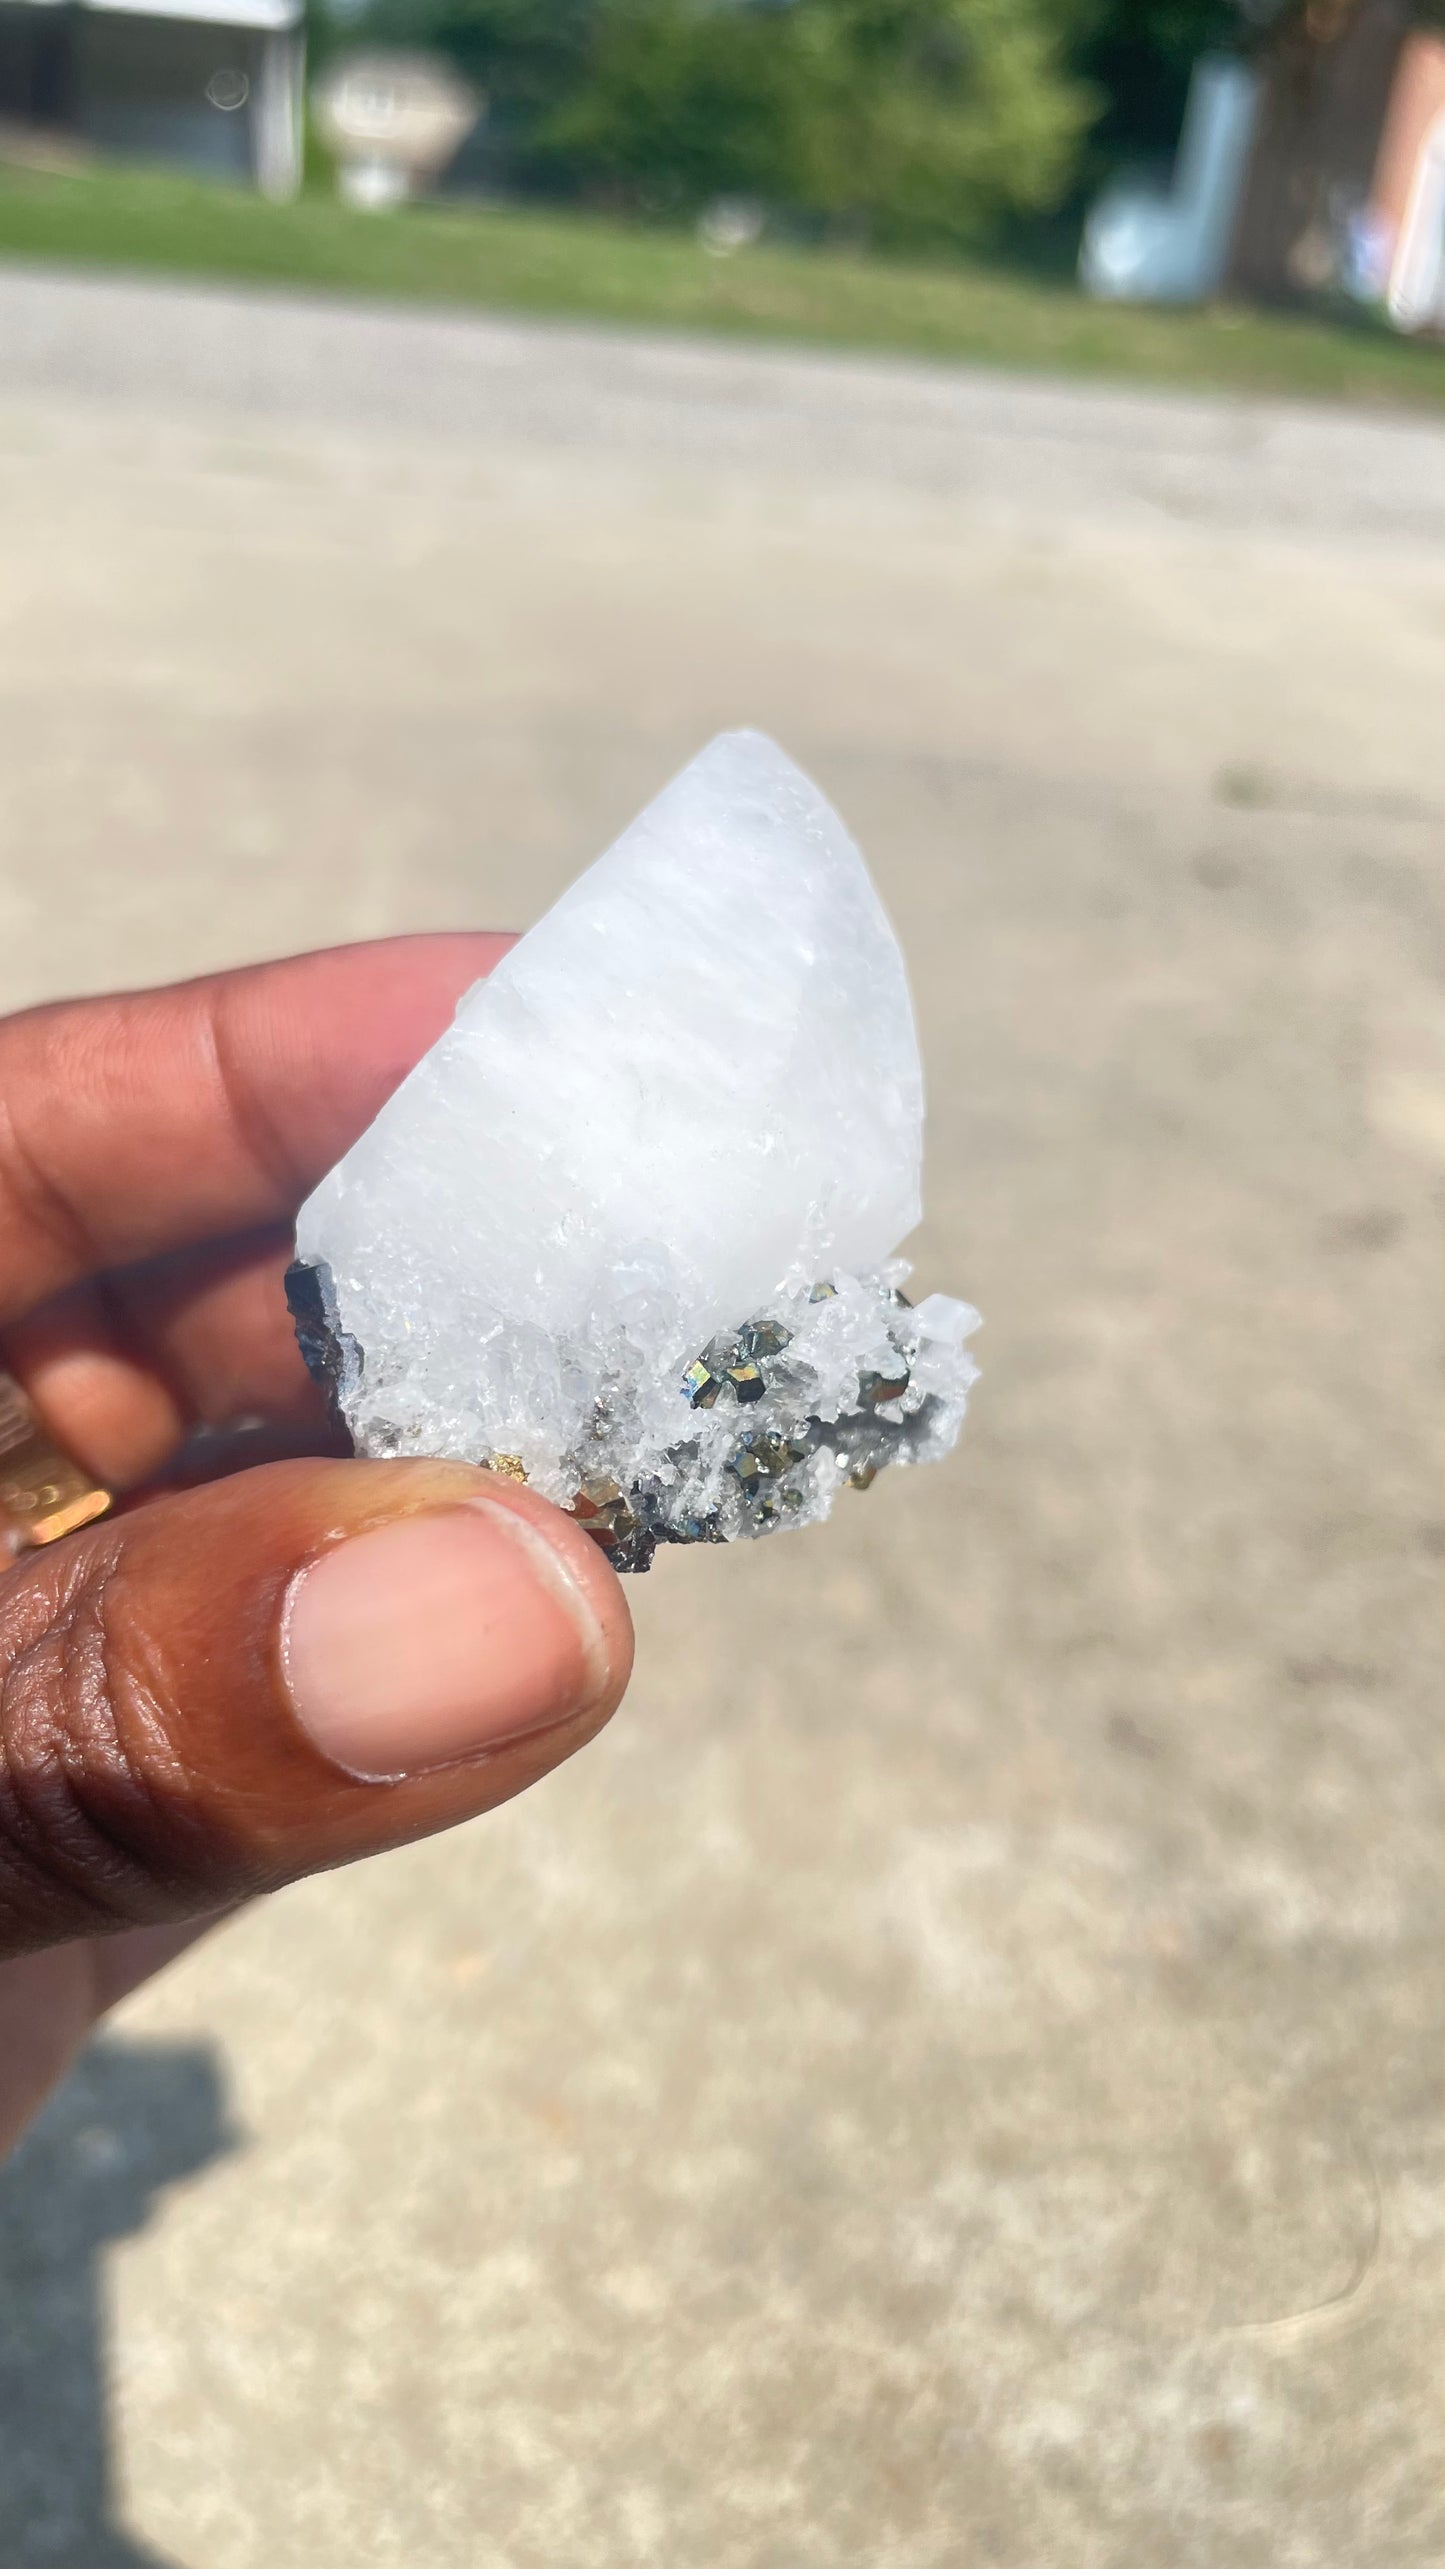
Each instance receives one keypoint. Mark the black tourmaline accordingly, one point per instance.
(332, 1359)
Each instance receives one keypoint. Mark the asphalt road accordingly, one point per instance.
(957, 2074)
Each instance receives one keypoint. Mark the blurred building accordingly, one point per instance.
(1327, 74)
(1345, 190)
(216, 85)
(1316, 166)
(1406, 207)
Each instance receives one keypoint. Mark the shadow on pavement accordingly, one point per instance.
(132, 2119)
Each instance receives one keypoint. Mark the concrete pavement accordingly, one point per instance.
(955, 2075)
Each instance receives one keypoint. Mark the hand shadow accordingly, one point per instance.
(131, 2119)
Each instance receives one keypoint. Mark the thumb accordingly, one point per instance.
(277, 1673)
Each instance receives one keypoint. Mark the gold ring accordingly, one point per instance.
(44, 1492)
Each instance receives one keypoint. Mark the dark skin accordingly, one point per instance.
(153, 1151)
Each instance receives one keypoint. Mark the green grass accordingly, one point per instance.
(587, 268)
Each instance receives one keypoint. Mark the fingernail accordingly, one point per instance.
(437, 1638)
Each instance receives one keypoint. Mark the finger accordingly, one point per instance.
(213, 1455)
(132, 1125)
(103, 1397)
(47, 2007)
(131, 1957)
(50, 2002)
(307, 1663)
(215, 1323)
(124, 1367)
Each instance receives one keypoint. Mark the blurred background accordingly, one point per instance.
(955, 2075)
(619, 158)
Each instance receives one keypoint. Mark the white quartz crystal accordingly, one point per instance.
(687, 1104)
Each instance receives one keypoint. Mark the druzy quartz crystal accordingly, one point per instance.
(629, 1230)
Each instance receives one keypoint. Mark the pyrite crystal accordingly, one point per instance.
(628, 1230)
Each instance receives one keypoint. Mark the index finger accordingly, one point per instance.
(139, 1123)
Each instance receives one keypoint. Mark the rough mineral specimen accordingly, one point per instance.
(628, 1229)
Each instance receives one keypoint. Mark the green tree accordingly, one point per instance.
(910, 121)
(916, 120)
(525, 54)
(931, 119)
(680, 102)
(1139, 55)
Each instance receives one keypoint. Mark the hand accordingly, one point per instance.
(227, 1686)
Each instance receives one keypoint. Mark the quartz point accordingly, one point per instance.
(629, 1230)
